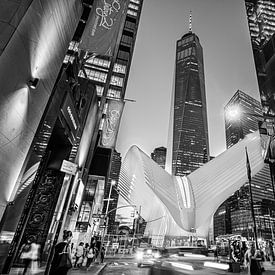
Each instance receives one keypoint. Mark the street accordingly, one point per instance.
(124, 266)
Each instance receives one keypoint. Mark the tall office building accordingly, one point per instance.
(109, 76)
(113, 178)
(261, 19)
(234, 216)
(159, 156)
(190, 145)
(261, 23)
(241, 116)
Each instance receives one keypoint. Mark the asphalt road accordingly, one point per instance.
(129, 267)
(124, 267)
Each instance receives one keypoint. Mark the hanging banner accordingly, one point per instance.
(111, 123)
(102, 28)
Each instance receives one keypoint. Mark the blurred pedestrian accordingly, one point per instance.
(253, 260)
(102, 253)
(90, 257)
(26, 256)
(79, 254)
(62, 260)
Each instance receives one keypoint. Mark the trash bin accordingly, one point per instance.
(236, 267)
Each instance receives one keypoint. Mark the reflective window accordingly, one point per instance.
(132, 6)
(113, 93)
(117, 81)
(94, 75)
(130, 12)
(135, 1)
(119, 68)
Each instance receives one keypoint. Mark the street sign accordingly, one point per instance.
(68, 167)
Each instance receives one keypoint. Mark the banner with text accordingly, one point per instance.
(111, 123)
(102, 28)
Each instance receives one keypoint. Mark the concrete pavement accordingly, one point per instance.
(95, 269)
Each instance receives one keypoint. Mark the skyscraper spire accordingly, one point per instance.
(190, 21)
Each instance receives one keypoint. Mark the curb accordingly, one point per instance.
(99, 272)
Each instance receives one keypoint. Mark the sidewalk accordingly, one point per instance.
(94, 269)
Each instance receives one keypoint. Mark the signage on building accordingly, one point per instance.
(111, 123)
(103, 25)
(70, 115)
(68, 167)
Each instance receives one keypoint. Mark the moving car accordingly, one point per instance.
(147, 256)
(178, 264)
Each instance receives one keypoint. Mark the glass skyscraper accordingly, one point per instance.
(159, 156)
(242, 114)
(190, 148)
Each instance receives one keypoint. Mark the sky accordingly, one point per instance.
(222, 28)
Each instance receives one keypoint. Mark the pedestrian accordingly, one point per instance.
(79, 254)
(62, 259)
(253, 260)
(270, 252)
(90, 257)
(102, 253)
(26, 256)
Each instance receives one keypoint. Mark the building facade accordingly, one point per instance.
(34, 99)
(111, 188)
(190, 148)
(109, 75)
(242, 115)
(159, 156)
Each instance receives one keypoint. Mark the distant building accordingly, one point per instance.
(113, 177)
(190, 146)
(242, 114)
(234, 215)
(159, 156)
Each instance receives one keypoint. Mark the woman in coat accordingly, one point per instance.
(62, 260)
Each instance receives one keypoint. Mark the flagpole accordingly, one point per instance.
(251, 198)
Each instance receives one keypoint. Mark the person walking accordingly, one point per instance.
(253, 260)
(26, 256)
(90, 257)
(62, 259)
(79, 254)
(102, 253)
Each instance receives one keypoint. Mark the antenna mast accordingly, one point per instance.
(190, 21)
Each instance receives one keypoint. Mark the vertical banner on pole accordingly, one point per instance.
(111, 123)
(103, 25)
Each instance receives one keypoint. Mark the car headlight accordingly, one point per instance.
(139, 255)
(157, 255)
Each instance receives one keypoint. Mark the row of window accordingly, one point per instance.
(135, 1)
(99, 62)
(186, 52)
(130, 25)
(111, 92)
(131, 12)
(132, 6)
(127, 39)
(186, 40)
